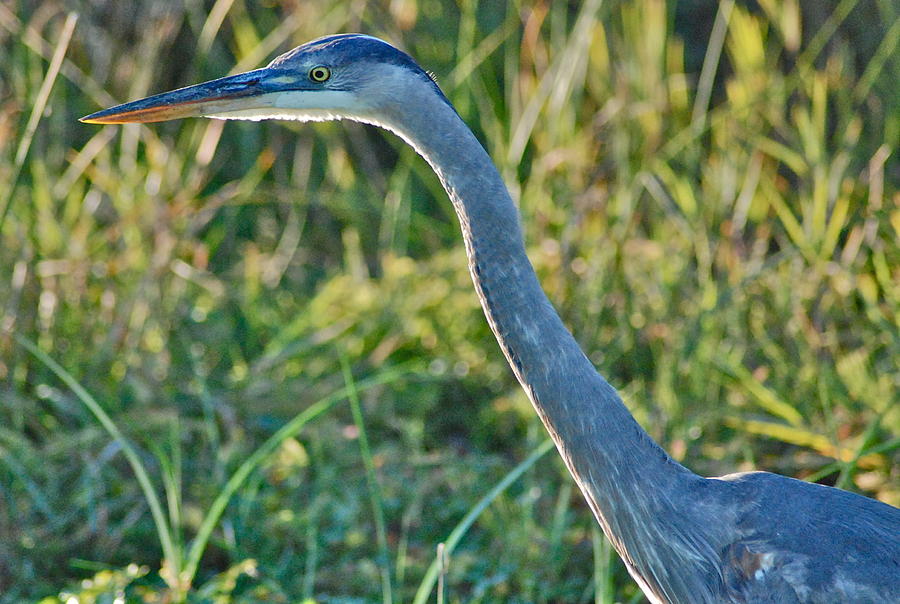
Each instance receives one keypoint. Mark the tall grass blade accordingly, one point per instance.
(37, 111)
(710, 66)
(431, 575)
(603, 572)
(372, 480)
(290, 429)
(163, 530)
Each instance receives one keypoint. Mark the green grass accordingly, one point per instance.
(244, 362)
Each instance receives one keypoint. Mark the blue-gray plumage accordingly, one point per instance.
(753, 537)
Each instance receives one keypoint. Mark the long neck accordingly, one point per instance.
(624, 475)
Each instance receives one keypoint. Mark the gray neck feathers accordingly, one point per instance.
(625, 476)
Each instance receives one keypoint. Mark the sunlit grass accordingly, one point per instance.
(710, 200)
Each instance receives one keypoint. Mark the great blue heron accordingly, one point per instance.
(749, 537)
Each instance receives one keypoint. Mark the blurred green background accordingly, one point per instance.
(709, 193)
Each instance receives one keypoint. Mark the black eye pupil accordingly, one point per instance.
(319, 74)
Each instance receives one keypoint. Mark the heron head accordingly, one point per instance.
(343, 76)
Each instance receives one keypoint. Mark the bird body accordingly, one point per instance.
(753, 537)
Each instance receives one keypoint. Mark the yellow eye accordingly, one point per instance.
(319, 73)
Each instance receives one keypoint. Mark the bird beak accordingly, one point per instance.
(254, 90)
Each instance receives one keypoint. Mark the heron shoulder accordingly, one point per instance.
(820, 543)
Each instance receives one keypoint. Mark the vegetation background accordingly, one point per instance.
(709, 193)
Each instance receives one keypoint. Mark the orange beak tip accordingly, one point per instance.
(93, 118)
